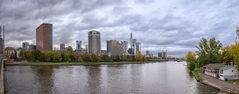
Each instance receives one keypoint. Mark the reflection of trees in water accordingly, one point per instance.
(44, 79)
(94, 80)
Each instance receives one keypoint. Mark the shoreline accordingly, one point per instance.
(219, 84)
(75, 63)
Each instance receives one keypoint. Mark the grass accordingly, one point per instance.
(234, 82)
(196, 74)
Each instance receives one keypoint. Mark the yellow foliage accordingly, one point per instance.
(190, 57)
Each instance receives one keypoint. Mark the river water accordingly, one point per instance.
(151, 78)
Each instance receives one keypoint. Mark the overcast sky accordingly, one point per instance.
(175, 25)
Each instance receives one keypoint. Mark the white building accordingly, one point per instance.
(228, 72)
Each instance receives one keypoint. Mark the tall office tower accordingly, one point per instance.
(94, 42)
(163, 54)
(78, 45)
(86, 48)
(131, 40)
(25, 45)
(134, 45)
(237, 37)
(62, 46)
(114, 48)
(2, 38)
(138, 47)
(44, 35)
(125, 47)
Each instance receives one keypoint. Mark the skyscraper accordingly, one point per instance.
(44, 35)
(78, 45)
(2, 38)
(25, 45)
(138, 47)
(62, 47)
(94, 42)
(125, 47)
(131, 40)
(114, 48)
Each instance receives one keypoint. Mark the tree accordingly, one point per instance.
(209, 51)
(70, 50)
(227, 55)
(191, 60)
(235, 54)
(139, 57)
(67, 57)
(190, 57)
(53, 56)
(95, 58)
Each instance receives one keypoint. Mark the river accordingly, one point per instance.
(151, 78)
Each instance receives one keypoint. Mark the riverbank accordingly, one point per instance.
(2, 78)
(69, 63)
(220, 84)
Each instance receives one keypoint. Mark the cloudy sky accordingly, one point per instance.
(175, 25)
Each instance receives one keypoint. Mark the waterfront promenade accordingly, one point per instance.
(222, 85)
(1, 75)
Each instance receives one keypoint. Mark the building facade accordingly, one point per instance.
(25, 45)
(78, 45)
(114, 48)
(62, 46)
(2, 38)
(44, 39)
(125, 47)
(138, 47)
(94, 42)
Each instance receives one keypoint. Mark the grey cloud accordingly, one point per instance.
(177, 27)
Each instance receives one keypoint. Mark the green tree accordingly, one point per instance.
(95, 58)
(53, 56)
(209, 51)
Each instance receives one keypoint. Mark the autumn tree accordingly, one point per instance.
(191, 60)
(139, 57)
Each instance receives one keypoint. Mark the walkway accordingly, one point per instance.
(222, 85)
(1, 75)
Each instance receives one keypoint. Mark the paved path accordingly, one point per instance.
(222, 85)
(1, 76)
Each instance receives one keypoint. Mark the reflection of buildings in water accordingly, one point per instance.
(45, 83)
(93, 80)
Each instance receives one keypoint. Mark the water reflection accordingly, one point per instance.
(152, 78)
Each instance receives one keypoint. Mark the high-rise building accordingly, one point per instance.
(131, 40)
(44, 39)
(62, 46)
(25, 45)
(94, 42)
(237, 37)
(163, 54)
(78, 45)
(125, 47)
(2, 38)
(114, 48)
(138, 47)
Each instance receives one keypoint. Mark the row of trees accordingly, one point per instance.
(211, 51)
(56, 56)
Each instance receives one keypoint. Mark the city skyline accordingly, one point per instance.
(173, 25)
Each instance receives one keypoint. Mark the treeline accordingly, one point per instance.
(56, 56)
(210, 52)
